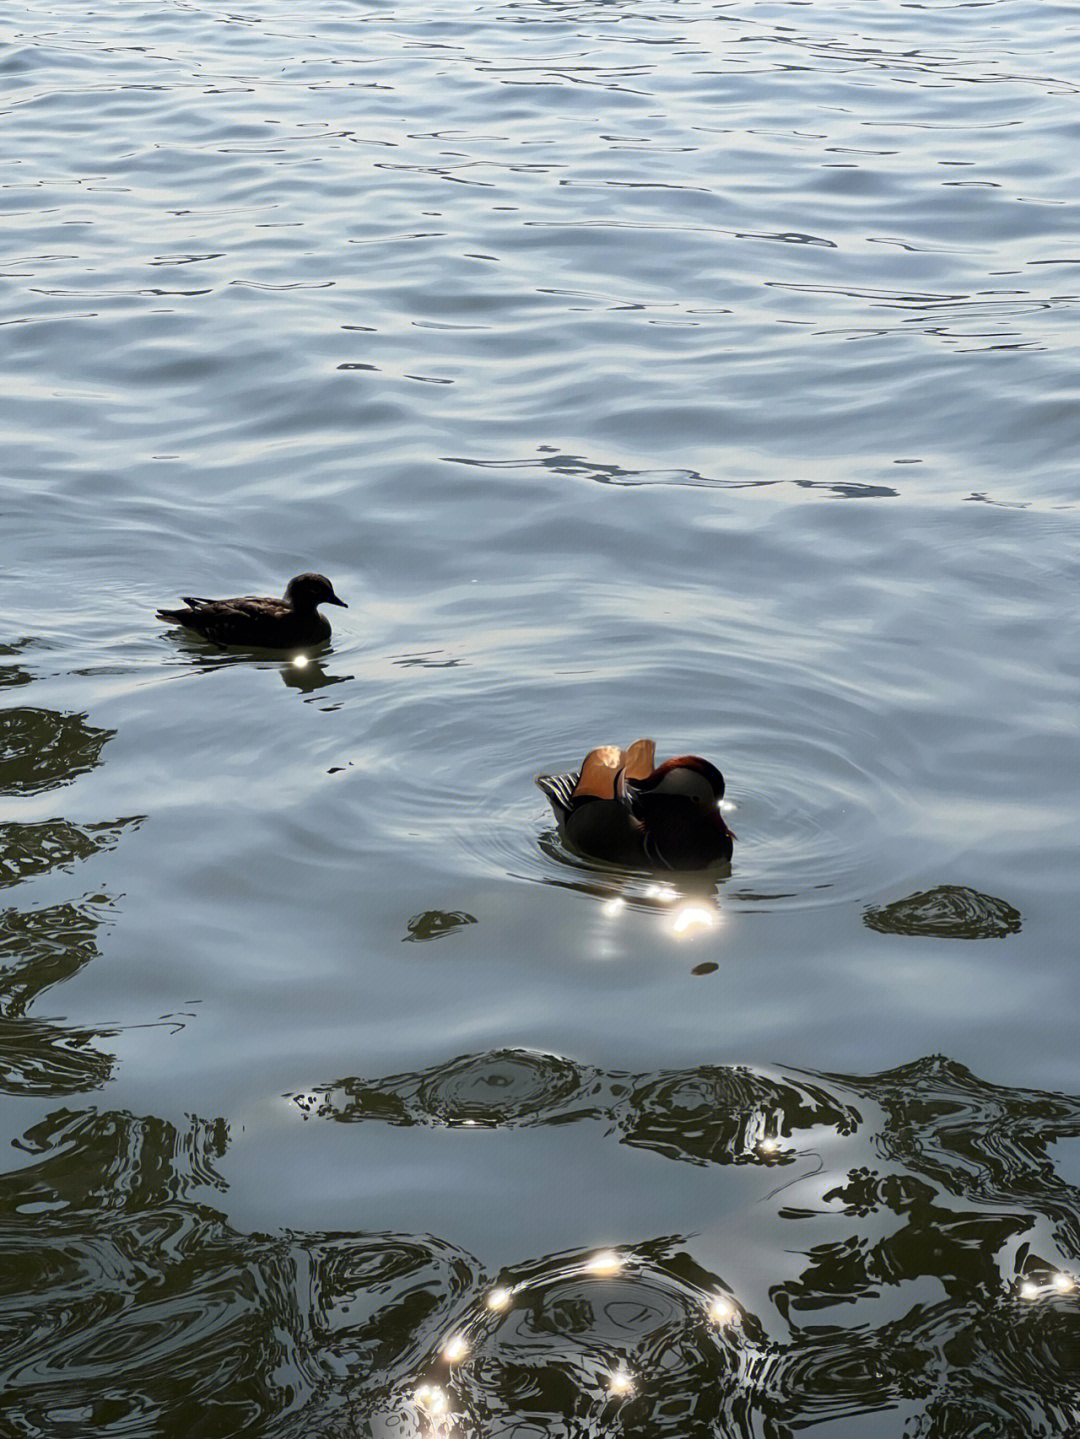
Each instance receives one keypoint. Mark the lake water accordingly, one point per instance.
(700, 372)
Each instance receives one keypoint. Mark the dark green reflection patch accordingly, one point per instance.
(38, 949)
(948, 912)
(434, 923)
(42, 749)
(27, 850)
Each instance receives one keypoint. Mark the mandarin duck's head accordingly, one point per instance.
(677, 811)
(306, 592)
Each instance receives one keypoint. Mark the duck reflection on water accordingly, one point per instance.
(686, 903)
(305, 670)
(306, 673)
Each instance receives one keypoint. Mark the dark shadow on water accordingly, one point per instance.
(41, 749)
(129, 1305)
(27, 850)
(707, 1115)
(39, 949)
(850, 490)
(12, 674)
(437, 923)
(948, 912)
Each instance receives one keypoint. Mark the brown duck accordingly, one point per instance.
(259, 622)
(624, 808)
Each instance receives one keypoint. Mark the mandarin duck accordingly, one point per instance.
(260, 622)
(624, 808)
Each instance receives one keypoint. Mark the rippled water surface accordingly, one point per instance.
(679, 370)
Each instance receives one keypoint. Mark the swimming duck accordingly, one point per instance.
(260, 622)
(624, 808)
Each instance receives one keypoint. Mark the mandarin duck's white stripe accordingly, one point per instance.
(559, 788)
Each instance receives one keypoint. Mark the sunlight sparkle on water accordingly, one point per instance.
(300, 662)
(455, 1349)
(612, 906)
(1063, 1283)
(431, 1399)
(605, 1262)
(1029, 1290)
(661, 893)
(691, 917)
(722, 1311)
(499, 1299)
(620, 1383)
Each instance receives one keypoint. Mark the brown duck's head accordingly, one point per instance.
(677, 809)
(306, 592)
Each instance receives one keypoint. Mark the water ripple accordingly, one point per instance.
(631, 368)
(934, 1222)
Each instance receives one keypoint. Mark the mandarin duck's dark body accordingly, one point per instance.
(623, 808)
(259, 622)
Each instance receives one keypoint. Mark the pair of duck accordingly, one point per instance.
(619, 807)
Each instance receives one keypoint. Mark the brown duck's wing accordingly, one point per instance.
(251, 606)
(641, 759)
(240, 621)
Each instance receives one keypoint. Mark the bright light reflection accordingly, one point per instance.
(300, 662)
(1029, 1290)
(621, 1383)
(692, 916)
(606, 1262)
(455, 1349)
(431, 1399)
(499, 1299)
(662, 893)
(1062, 1283)
(768, 1146)
(612, 906)
(722, 1311)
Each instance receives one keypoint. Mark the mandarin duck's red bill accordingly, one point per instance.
(623, 808)
(259, 622)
